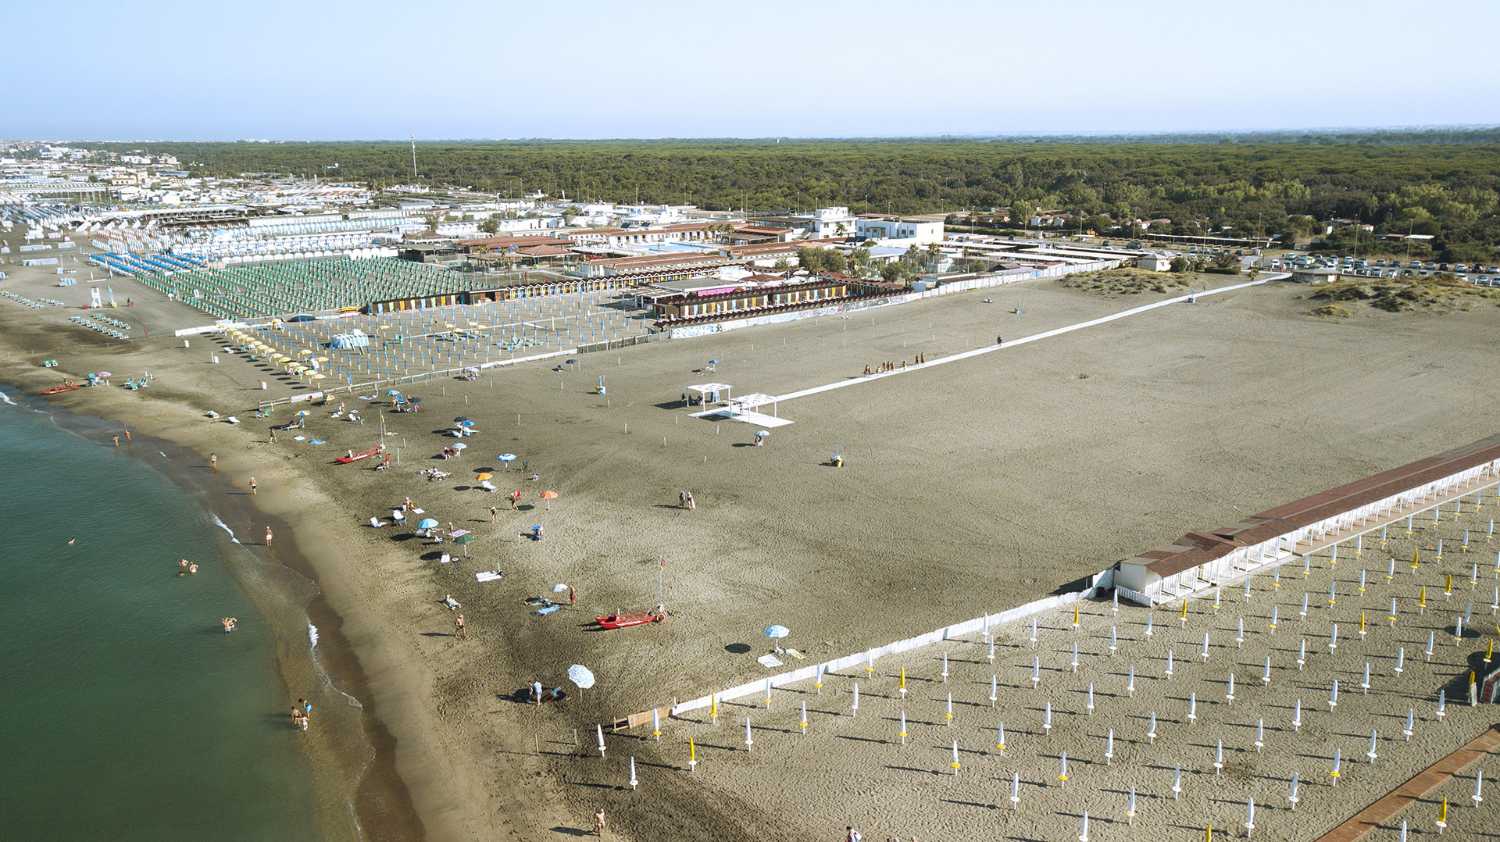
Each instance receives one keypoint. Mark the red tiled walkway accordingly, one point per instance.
(1370, 818)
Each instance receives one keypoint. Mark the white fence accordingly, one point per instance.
(1244, 561)
(976, 626)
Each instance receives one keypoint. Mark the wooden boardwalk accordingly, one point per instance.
(1388, 808)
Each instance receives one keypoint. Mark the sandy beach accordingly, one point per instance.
(966, 488)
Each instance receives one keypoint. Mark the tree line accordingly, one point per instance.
(1444, 183)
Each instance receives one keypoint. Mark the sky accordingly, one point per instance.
(446, 69)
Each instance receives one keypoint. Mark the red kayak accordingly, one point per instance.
(66, 386)
(629, 619)
(363, 454)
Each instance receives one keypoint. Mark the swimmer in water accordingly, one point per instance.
(182, 566)
(229, 623)
(71, 540)
(193, 568)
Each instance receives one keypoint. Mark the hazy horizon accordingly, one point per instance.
(677, 70)
(1100, 135)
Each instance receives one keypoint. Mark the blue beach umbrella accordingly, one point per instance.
(776, 632)
(427, 523)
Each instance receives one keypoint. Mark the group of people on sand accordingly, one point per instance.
(186, 568)
(685, 500)
(889, 366)
(302, 714)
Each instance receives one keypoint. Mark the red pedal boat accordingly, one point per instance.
(65, 386)
(629, 619)
(363, 454)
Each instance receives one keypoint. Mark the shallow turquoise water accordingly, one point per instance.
(125, 711)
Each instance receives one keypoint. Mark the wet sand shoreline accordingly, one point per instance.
(380, 804)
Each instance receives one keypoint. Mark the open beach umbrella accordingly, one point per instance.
(459, 446)
(104, 375)
(483, 475)
(427, 523)
(776, 632)
(581, 676)
(507, 458)
(547, 498)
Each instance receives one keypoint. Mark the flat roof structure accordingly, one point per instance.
(1196, 549)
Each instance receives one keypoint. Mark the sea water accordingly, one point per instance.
(126, 712)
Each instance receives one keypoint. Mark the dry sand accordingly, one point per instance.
(972, 487)
(850, 768)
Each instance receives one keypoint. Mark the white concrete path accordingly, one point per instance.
(1022, 340)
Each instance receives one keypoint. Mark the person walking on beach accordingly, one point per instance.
(253, 486)
(536, 692)
(213, 461)
(268, 536)
(117, 441)
(460, 631)
(572, 596)
(852, 835)
(599, 822)
(273, 435)
(515, 499)
(127, 436)
(493, 512)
